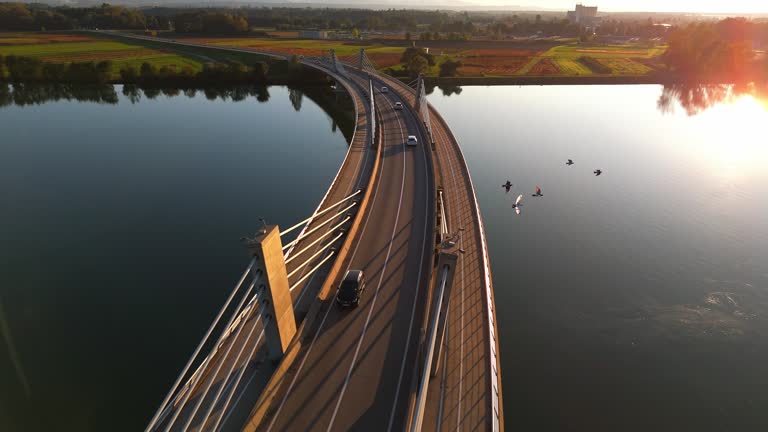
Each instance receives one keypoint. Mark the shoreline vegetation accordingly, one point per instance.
(446, 48)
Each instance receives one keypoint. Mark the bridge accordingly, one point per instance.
(420, 352)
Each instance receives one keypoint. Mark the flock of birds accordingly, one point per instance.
(519, 201)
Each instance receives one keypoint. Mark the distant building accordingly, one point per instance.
(314, 34)
(583, 15)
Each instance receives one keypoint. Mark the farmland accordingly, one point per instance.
(478, 59)
(490, 59)
(61, 48)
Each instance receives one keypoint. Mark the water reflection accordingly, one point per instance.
(338, 105)
(696, 98)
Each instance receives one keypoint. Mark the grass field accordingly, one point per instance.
(62, 48)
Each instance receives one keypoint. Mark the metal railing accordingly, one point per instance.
(421, 396)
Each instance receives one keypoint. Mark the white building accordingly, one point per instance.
(583, 15)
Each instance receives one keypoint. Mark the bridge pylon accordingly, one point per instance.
(279, 320)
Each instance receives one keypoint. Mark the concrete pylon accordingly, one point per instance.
(449, 254)
(419, 85)
(279, 321)
(362, 58)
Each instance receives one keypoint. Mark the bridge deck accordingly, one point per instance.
(463, 400)
(353, 174)
(378, 380)
(355, 372)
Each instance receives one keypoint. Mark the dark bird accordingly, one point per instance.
(508, 185)
(538, 192)
(569, 163)
(597, 172)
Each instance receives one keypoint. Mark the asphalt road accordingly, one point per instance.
(357, 372)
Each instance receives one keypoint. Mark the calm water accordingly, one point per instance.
(637, 300)
(119, 236)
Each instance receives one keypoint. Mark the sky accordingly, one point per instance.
(699, 6)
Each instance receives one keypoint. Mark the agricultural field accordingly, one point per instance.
(572, 67)
(66, 48)
(607, 51)
(479, 58)
(487, 62)
(620, 60)
(625, 66)
(301, 46)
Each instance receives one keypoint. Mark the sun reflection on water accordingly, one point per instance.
(736, 117)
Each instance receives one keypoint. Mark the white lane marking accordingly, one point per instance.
(317, 333)
(311, 279)
(381, 279)
(418, 284)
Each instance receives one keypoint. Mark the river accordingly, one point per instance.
(635, 300)
(120, 223)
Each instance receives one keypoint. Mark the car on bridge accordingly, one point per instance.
(398, 106)
(412, 141)
(351, 288)
(384, 90)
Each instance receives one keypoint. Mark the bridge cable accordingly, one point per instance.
(308, 260)
(207, 360)
(306, 248)
(312, 271)
(327, 209)
(310, 232)
(223, 410)
(258, 314)
(184, 371)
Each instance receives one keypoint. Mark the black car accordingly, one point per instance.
(351, 288)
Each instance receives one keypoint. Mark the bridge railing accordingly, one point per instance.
(435, 116)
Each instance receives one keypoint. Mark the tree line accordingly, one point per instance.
(19, 69)
(29, 69)
(718, 51)
(425, 24)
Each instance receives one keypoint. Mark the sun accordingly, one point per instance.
(738, 150)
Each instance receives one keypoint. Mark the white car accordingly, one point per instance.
(384, 90)
(412, 141)
(398, 106)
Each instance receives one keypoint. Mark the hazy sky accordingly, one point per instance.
(733, 6)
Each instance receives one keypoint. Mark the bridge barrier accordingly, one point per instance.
(496, 395)
(270, 392)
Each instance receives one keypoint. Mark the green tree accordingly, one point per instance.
(450, 68)
(260, 71)
(416, 66)
(148, 71)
